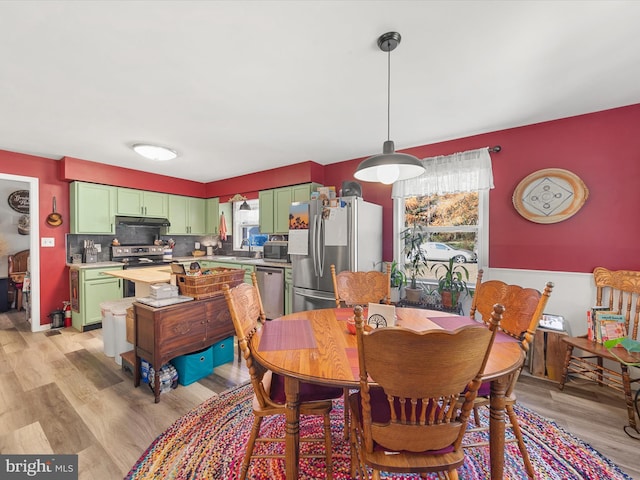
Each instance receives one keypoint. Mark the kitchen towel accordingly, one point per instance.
(223, 227)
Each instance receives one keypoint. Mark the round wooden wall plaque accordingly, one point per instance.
(550, 195)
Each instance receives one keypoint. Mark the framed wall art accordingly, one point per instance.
(550, 195)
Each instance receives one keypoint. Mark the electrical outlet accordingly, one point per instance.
(98, 247)
(47, 242)
(197, 245)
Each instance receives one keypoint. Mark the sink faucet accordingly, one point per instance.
(247, 243)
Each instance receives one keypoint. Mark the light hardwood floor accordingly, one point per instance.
(60, 394)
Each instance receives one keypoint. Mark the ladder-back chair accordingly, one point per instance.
(361, 288)
(18, 264)
(619, 290)
(523, 309)
(269, 399)
(414, 422)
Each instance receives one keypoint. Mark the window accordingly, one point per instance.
(450, 200)
(246, 229)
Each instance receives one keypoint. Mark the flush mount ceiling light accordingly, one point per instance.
(154, 152)
(389, 166)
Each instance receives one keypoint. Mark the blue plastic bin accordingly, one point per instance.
(194, 366)
(222, 352)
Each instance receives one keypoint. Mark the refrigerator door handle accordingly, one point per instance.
(314, 243)
(317, 297)
(321, 251)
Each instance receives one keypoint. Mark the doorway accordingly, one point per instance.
(32, 184)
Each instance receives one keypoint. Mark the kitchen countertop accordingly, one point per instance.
(214, 258)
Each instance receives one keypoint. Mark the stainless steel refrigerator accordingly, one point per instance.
(348, 235)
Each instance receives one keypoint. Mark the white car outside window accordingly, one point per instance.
(443, 252)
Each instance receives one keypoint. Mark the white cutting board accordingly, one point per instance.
(163, 302)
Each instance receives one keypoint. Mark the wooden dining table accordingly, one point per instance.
(315, 346)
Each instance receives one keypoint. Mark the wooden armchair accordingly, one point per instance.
(247, 315)
(18, 264)
(523, 310)
(361, 288)
(415, 416)
(619, 290)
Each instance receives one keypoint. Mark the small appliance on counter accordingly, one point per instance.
(276, 251)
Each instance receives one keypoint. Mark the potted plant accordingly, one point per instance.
(416, 259)
(398, 279)
(452, 280)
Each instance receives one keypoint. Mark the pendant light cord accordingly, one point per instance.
(388, 92)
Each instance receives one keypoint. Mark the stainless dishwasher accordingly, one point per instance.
(271, 285)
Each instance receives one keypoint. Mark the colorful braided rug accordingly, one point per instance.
(209, 443)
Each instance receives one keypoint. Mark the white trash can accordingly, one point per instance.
(119, 312)
(108, 328)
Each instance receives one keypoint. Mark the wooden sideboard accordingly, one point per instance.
(167, 332)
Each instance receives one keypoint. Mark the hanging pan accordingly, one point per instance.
(54, 218)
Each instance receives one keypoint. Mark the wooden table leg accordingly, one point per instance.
(497, 426)
(292, 427)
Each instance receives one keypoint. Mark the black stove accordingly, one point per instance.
(138, 256)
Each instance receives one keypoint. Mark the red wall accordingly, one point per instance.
(601, 148)
(54, 275)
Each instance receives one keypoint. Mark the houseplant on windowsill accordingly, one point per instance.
(398, 279)
(415, 258)
(452, 281)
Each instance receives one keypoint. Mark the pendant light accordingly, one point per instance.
(389, 166)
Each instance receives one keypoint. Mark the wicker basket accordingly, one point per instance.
(208, 284)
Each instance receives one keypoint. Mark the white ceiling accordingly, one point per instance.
(242, 86)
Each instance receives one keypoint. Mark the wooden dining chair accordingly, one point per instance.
(412, 422)
(523, 310)
(361, 288)
(269, 399)
(17, 264)
(620, 291)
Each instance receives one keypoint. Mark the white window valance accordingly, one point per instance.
(461, 172)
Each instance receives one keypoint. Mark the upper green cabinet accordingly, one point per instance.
(212, 220)
(92, 208)
(187, 215)
(139, 202)
(274, 206)
(265, 214)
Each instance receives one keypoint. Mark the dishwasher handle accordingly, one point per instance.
(270, 270)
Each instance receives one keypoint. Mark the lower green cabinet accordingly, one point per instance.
(89, 288)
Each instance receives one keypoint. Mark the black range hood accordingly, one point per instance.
(143, 221)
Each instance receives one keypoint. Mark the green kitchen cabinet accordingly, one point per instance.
(274, 206)
(265, 214)
(187, 215)
(212, 220)
(92, 208)
(288, 291)
(89, 288)
(141, 203)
